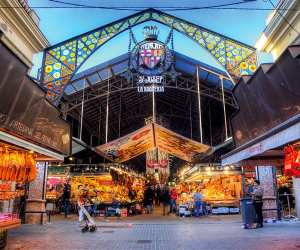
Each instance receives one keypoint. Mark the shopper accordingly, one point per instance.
(96, 201)
(257, 196)
(250, 187)
(197, 202)
(66, 197)
(157, 195)
(132, 195)
(165, 199)
(86, 187)
(148, 199)
(173, 199)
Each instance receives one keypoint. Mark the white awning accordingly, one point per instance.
(78, 145)
(283, 137)
(30, 146)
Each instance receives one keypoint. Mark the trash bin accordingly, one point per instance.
(248, 213)
(3, 239)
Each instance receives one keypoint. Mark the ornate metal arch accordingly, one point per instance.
(62, 60)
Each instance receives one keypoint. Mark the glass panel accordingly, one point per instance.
(69, 89)
(118, 68)
(94, 78)
(79, 85)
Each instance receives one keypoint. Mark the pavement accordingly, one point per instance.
(157, 232)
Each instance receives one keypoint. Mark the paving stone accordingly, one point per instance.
(174, 234)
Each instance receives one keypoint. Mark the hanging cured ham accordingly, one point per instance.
(16, 166)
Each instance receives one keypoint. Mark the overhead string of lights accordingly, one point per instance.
(157, 7)
(228, 6)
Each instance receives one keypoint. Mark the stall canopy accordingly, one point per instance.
(149, 137)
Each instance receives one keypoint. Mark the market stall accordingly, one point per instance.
(221, 190)
(17, 169)
(107, 187)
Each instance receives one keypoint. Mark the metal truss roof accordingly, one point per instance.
(177, 106)
(62, 61)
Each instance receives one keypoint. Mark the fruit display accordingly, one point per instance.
(114, 184)
(55, 187)
(103, 189)
(10, 195)
(138, 187)
(215, 190)
(7, 193)
(283, 180)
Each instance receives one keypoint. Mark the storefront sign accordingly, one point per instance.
(157, 164)
(58, 170)
(261, 162)
(255, 149)
(151, 84)
(25, 112)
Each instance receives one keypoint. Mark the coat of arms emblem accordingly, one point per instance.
(151, 54)
(151, 61)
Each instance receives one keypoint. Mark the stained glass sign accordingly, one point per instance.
(62, 61)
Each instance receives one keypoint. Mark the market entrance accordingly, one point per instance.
(152, 113)
(148, 154)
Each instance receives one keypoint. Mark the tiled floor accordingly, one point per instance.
(156, 232)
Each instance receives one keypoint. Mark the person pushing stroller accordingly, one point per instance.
(85, 208)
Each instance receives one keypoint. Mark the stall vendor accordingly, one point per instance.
(197, 201)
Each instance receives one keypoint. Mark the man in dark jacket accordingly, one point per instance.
(157, 195)
(148, 199)
(66, 197)
(257, 196)
(165, 199)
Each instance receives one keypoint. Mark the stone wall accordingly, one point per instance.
(35, 206)
(267, 178)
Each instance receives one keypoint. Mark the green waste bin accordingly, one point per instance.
(248, 213)
(3, 238)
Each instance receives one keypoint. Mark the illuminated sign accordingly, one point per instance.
(151, 83)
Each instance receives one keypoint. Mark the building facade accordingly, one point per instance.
(26, 117)
(19, 26)
(282, 28)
